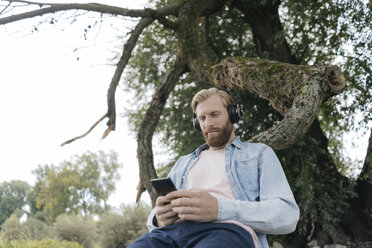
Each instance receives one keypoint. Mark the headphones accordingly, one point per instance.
(235, 112)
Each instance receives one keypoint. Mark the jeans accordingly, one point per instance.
(189, 234)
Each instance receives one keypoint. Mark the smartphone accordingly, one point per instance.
(163, 185)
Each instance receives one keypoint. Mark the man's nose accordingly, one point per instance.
(208, 121)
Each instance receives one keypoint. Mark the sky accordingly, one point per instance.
(50, 92)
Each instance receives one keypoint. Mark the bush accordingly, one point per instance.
(119, 231)
(35, 229)
(75, 228)
(46, 243)
(12, 229)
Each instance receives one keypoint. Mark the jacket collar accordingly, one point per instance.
(236, 142)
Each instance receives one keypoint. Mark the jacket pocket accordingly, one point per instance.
(247, 173)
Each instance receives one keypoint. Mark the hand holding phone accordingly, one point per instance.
(163, 185)
(164, 215)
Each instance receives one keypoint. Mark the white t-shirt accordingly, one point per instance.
(209, 173)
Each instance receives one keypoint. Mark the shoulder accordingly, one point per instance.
(253, 147)
(248, 150)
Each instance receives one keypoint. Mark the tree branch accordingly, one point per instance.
(86, 133)
(101, 8)
(296, 92)
(148, 125)
(298, 119)
(127, 52)
(189, 40)
(3, 10)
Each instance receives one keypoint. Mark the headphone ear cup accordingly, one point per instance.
(195, 122)
(235, 113)
(234, 118)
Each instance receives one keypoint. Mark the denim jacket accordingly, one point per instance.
(264, 199)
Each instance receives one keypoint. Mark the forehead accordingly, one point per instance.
(211, 104)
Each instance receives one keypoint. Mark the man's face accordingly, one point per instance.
(214, 122)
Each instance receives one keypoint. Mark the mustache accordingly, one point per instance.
(213, 129)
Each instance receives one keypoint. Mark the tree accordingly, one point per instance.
(12, 228)
(35, 229)
(216, 43)
(119, 230)
(13, 198)
(75, 228)
(76, 186)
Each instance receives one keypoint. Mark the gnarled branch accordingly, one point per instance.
(148, 125)
(296, 92)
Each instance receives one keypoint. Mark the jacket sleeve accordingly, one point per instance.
(276, 212)
(150, 220)
(176, 181)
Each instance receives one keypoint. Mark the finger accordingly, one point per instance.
(178, 194)
(164, 209)
(191, 217)
(167, 219)
(183, 202)
(169, 215)
(162, 201)
(187, 210)
(167, 222)
(185, 194)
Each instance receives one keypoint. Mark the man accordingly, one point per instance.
(230, 193)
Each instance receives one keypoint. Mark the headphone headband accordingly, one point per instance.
(230, 94)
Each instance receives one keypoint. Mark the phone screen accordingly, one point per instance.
(163, 185)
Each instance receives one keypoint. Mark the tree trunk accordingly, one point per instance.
(356, 223)
(364, 184)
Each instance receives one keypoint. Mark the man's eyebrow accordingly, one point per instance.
(213, 112)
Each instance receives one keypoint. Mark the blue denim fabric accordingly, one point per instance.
(190, 234)
(264, 199)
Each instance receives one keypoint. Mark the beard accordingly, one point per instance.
(221, 138)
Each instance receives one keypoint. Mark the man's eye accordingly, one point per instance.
(202, 118)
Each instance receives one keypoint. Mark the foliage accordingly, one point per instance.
(75, 228)
(335, 32)
(119, 230)
(12, 228)
(317, 32)
(35, 229)
(45, 243)
(13, 197)
(79, 185)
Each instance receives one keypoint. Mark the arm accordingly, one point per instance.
(276, 212)
(152, 220)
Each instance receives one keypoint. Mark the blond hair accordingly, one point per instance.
(202, 95)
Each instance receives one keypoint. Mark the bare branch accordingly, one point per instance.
(101, 8)
(85, 134)
(127, 52)
(2, 11)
